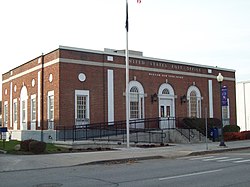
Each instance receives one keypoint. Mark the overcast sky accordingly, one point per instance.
(208, 32)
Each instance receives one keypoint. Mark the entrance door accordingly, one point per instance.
(166, 113)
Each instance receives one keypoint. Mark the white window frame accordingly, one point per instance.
(50, 110)
(24, 111)
(81, 108)
(226, 114)
(5, 116)
(23, 108)
(134, 104)
(33, 98)
(84, 93)
(49, 117)
(141, 94)
(198, 101)
(15, 111)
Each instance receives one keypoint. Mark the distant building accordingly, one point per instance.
(72, 86)
(243, 105)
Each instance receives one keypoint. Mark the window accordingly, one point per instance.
(23, 111)
(165, 91)
(5, 113)
(134, 103)
(23, 108)
(33, 108)
(226, 114)
(194, 102)
(15, 111)
(81, 107)
(136, 100)
(51, 107)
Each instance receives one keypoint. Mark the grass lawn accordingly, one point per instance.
(9, 146)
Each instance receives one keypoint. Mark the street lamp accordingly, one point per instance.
(220, 79)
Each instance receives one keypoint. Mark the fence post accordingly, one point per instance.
(86, 132)
(189, 135)
(149, 137)
(137, 140)
(162, 137)
(100, 130)
(115, 125)
(123, 137)
(64, 133)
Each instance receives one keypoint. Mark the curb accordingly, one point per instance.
(217, 151)
(122, 161)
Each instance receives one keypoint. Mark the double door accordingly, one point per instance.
(166, 110)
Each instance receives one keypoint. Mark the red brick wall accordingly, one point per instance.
(69, 83)
(65, 82)
(26, 80)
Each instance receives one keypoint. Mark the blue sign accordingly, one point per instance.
(224, 96)
(3, 129)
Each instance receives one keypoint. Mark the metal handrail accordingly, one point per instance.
(106, 130)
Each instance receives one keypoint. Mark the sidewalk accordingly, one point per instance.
(27, 162)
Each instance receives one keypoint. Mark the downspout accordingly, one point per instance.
(42, 98)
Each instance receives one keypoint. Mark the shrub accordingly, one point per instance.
(37, 147)
(232, 136)
(25, 144)
(231, 128)
(246, 135)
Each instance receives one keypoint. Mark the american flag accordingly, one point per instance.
(126, 26)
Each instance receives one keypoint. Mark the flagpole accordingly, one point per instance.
(127, 78)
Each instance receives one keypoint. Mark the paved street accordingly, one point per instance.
(215, 166)
(26, 162)
(221, 169)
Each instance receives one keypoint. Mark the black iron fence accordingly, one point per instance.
(149, 130)
(143, 130)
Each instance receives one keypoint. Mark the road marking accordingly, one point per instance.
(200, 158)
(212, 159)
(190, 174)
(230, 159)
(193, 157)
(241, 161)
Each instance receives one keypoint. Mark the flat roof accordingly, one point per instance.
(133, 55)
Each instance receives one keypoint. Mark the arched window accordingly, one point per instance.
(134, 103)
(134, 89)
(165, 91)
(23, 108)
(136, 98)
(194, 102)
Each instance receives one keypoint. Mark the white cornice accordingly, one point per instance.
(144, 58)
(113, 65)
(31, 70)
(139, 68)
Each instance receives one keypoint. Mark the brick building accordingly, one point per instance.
(72, 86)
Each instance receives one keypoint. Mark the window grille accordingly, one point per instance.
(81, 107)
(33, 109)
(15, 112)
